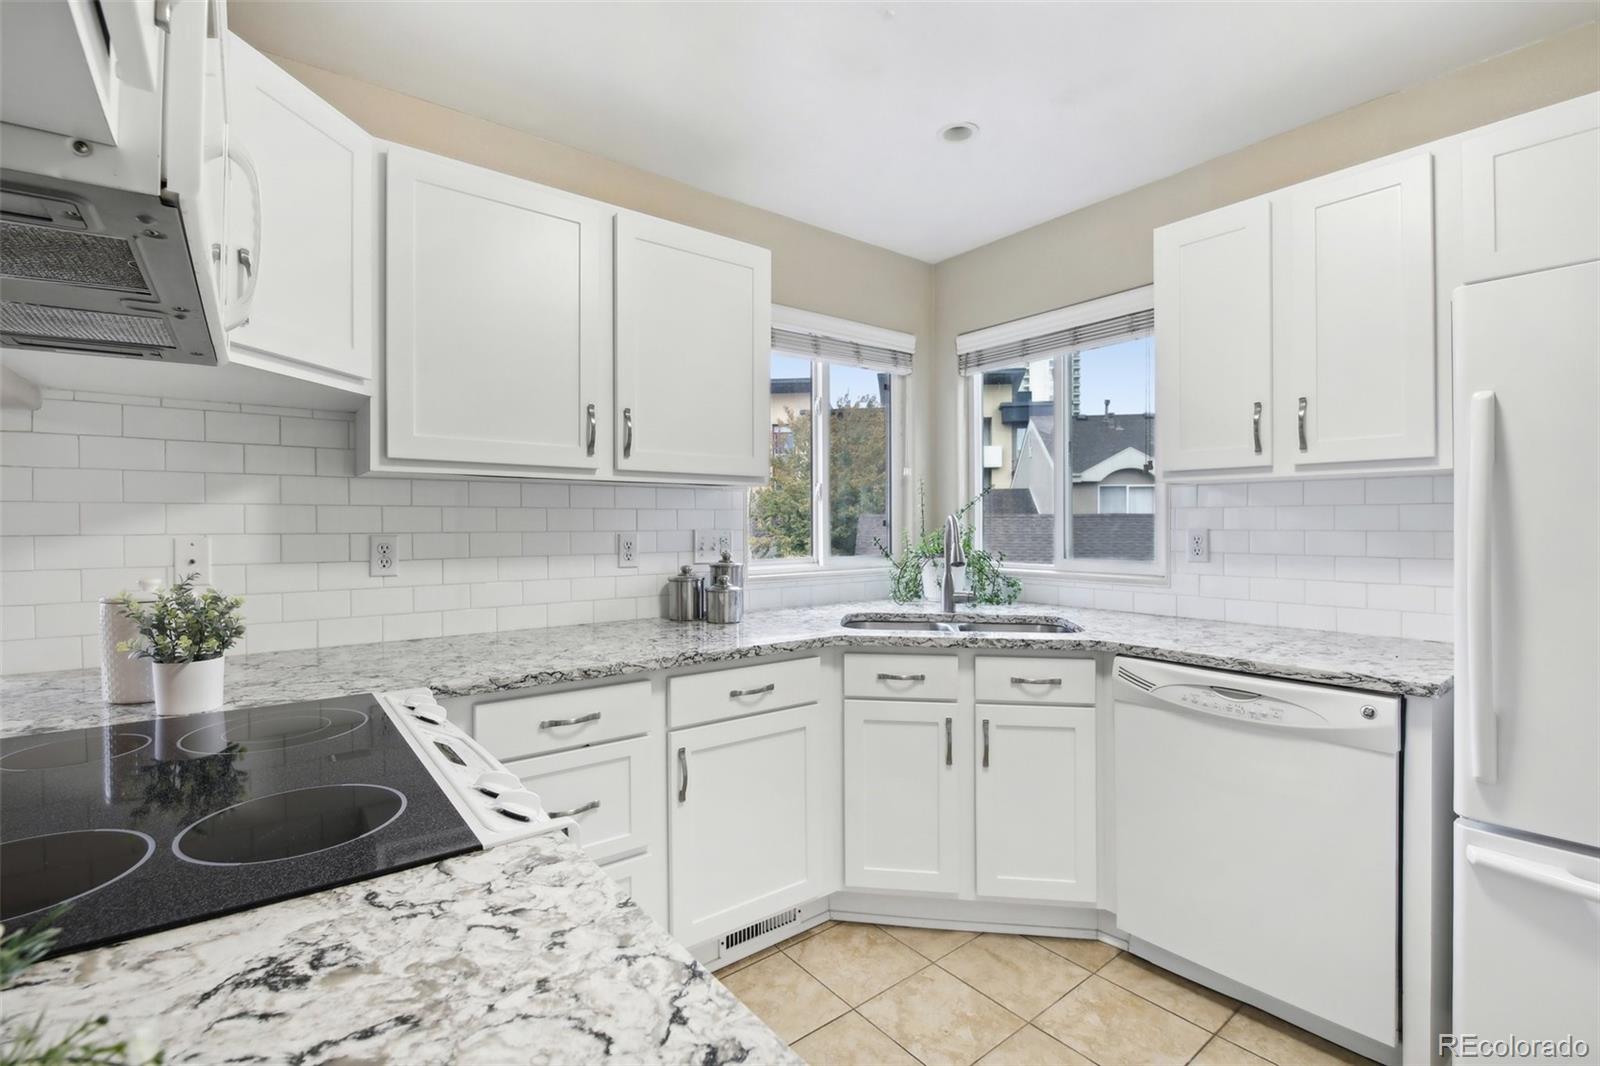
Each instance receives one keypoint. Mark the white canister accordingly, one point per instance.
(188, 688)
(124, 677)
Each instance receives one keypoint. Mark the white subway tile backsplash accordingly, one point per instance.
(241, 428)
(1366, 516)
(1400, 490)
(122, 453)
(76, 417)
(1335, 492)
(38, 449)
(208, 458)
(164, 423)
(63, 483)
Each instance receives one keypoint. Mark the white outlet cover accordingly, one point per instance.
(705, 546)
(192, 556)
(628, 550)
(383, 559)
(1199, 545)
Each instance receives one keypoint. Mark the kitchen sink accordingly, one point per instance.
(977, 625)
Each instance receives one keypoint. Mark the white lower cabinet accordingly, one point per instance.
(749, 821)
(904, 778)
(1036, 803)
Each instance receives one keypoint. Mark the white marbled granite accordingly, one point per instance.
(523, 954)
(497, 662)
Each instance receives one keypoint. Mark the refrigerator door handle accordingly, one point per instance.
(1482, 736)
(1538, 872)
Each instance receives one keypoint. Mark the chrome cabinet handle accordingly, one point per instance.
(582, 808)
(1302, 417)
(683, 775)
(1255, 426)
(244, 261)
(627, 432)
(762, 691)
(986, 743)
(1051, 681)
(551, 723)
(949, 750)
(902, 677)
(591, 430)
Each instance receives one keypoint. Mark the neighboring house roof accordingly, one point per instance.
(1096, 438)
(1129, 458)
(791, 385)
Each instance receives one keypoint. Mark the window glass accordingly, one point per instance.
(858, 460)
(1018, 468)
(1110, 419)
(780, 511)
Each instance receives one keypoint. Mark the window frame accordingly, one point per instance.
(898, 472)
(1157, 570)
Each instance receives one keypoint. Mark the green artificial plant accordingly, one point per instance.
(988, 584)
(182, 625)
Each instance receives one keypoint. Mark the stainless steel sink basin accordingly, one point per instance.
(926, 625)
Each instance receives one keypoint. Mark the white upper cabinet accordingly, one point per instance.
(1360, 382)
(1214, 339)
(1531, 191)
(694, 327)
(498, 311)
(299, 258)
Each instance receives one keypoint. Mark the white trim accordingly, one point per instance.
(1120, 303)
(841, 329)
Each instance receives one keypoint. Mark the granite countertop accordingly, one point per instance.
(471, 665)
(525, 953)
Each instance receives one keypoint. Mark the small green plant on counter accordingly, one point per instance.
(26, 1042)
(182, 625)
(988, 584)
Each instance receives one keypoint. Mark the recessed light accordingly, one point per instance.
(960, 131)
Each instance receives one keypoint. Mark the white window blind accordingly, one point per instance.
(1027, 348)
(838, 350)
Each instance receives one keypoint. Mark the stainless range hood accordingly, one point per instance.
(98, 270)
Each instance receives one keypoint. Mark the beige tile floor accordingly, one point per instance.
(844, 994)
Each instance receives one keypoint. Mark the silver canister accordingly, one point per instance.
(685, 591)
(724, 602)
(726, 567)
(124, 677)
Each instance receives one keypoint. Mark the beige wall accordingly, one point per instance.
(812, 268)
(1106, 247)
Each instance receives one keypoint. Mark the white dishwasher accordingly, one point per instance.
(1258, 836)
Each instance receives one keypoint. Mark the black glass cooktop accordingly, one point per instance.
(130, 828)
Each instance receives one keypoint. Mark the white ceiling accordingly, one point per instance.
(830, 113)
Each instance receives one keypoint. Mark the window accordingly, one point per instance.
(1072, 485)
(837, 508)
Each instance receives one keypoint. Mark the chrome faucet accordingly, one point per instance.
(954, 557)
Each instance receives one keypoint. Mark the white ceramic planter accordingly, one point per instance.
(187, 688)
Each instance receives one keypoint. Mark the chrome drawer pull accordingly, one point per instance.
(590, 440)
(592, 805)
(1051, 681)
(683, 775)
(627, 432)
(1255, 426)
(986, 743)
(902, 677)
(1301, 416)
(949, 749)
(762, 691)
(551, 723)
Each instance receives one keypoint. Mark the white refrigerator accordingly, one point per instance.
(1526, 944)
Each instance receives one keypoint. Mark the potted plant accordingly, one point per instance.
(184, 632)
(914, 575)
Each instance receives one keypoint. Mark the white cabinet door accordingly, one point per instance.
(694, 333)
(497, 311)
(746, 819)
(1213, 276)
(1360, 381)
(303, 223)
(904, 764)
(1036, 803)
(611, 791)
(1531, 191)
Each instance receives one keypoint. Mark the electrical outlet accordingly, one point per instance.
(191, 558)
(384, 561)
(1199, 545)
(705, 546)
(628, 550)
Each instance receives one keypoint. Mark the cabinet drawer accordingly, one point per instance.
(1041, 681)
(720, 694)
(534, 725)
(900, 677)
(606, 790)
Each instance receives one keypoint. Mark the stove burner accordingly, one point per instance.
(285, 825)
(75, 750)
(274, 728)
(43, 871)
